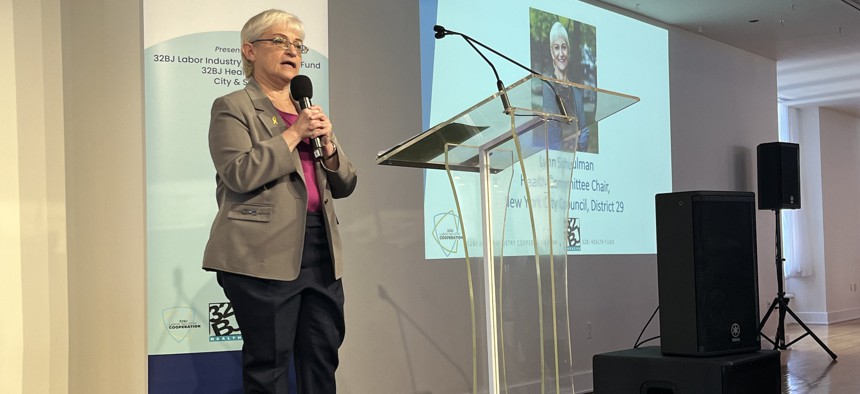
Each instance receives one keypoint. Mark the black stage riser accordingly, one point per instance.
(647, 371)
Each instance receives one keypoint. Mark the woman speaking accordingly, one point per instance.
(274, 243)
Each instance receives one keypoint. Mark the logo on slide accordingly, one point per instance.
(446, 232)
(222, 323)
(179, 321)
(574, 238)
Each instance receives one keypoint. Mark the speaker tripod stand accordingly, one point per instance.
(781, 303)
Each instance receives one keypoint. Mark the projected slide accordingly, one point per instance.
(621, 162)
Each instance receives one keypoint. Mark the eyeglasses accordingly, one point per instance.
(284, 43)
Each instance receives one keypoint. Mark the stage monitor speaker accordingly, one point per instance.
(707, 273)
(778, 176)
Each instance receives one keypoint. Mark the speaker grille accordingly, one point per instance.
(726, 288)
(778, 175)
(707, 272)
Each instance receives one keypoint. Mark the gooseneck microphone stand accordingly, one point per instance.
(441, 32)
(781, 303)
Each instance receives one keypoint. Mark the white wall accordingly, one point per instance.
(840, 182)
(11, 286)
(830, 217)
(34, 228)
(103, 96)
(810, 302)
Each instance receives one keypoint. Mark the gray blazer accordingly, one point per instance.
(262, 200)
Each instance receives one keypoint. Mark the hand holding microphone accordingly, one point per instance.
(318, 127)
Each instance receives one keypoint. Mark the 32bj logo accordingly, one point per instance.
(222, 323)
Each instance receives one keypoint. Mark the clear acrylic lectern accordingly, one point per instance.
(518, 287)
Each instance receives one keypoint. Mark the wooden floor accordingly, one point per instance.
(807, 368)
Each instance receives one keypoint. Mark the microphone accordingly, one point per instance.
(442, 32)
(302, 90)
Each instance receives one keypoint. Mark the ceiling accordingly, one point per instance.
(816, 43)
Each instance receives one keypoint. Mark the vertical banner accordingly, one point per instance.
(191, 56)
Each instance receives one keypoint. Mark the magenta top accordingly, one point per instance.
(306, 154)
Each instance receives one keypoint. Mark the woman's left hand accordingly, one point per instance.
(320, 126)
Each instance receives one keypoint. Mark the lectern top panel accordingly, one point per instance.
(487, 125)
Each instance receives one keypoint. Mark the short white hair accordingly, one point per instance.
(558, 31)
(255, 26)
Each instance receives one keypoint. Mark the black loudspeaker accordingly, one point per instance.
(707, 273)
(778, 176)
(646, 371)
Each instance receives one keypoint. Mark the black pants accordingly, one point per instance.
(302, 318)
